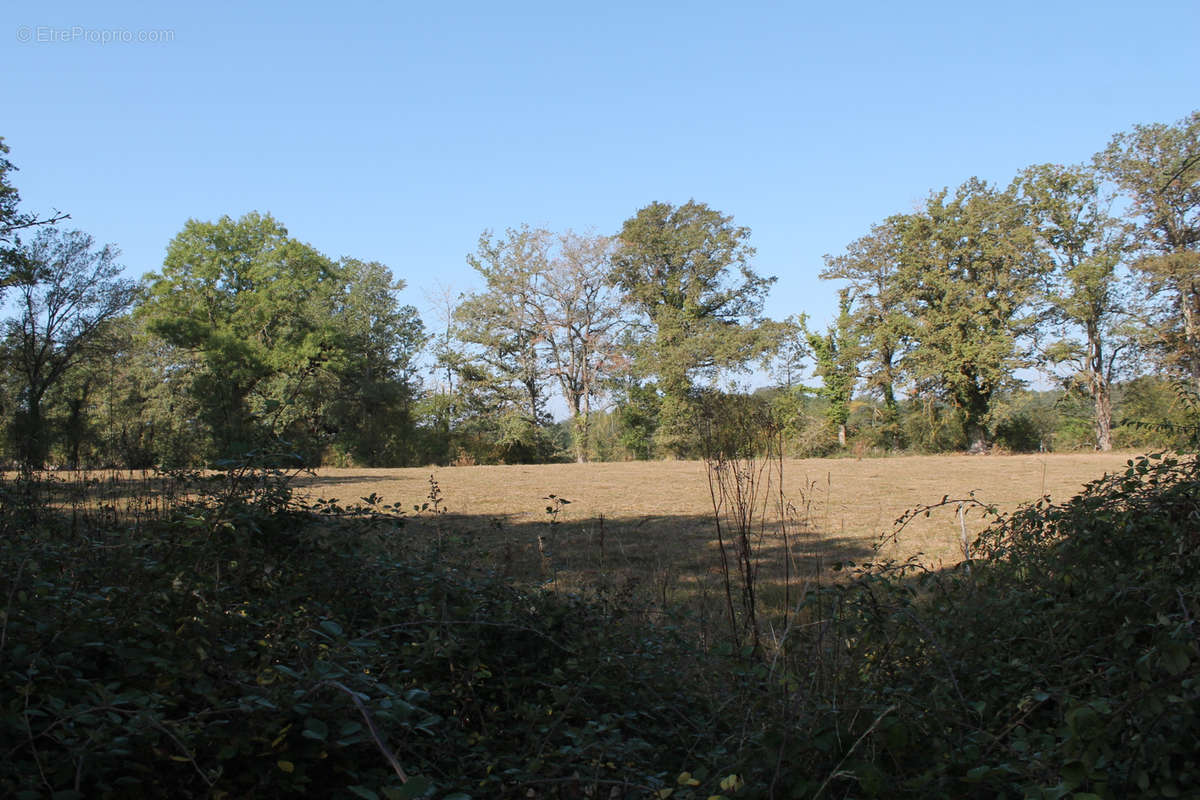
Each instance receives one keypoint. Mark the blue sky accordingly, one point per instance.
(398, 132)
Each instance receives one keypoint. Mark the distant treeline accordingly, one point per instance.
(248, 340)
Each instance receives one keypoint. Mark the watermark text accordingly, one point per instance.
(50, 34)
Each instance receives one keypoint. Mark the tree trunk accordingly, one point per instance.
(33, 445)
(842, 436)
(977, 438)
(1189, 302)
(889, 399)
(1099, 389)
(581, 440)
(1103, 419)
(891, 411)
(74, 429)
(535, 405)
(583, 430)
(976, 408)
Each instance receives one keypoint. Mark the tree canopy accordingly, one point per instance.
(687, 270)
(1158, 167)
(13, 220)
(587, 346)
(68, 291)
(255, 305)
(1084, 292)
(970, 271)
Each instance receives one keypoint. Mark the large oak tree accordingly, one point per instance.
(687, 270)
(970, 271)
(255, 305)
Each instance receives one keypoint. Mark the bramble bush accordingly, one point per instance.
(1060, 661)
(273, 648)
(247, 644)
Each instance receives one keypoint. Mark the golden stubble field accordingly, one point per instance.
(652, 522)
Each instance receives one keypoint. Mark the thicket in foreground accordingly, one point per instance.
(250, 645)
(1061, 660)
(245, 644)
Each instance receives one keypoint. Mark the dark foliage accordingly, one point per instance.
(249, 645)
(245, 644)
(1061, 660)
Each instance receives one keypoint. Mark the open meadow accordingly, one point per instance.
(651, 523)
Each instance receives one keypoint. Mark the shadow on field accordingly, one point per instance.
(668, 559)
(672, 558)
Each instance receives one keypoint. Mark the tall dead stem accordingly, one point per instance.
(739, 444)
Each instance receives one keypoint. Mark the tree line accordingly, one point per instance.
(248, 340)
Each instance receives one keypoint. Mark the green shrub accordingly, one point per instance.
(250, 646)
(1061, 661)
(245, 644)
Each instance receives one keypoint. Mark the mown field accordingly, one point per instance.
(651, 523)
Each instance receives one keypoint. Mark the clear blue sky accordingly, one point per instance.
(398, 132)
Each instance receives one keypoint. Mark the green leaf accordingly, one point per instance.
(283, 669)
(315, 729)
(1074, 773)
(416, 786)
(977, 774)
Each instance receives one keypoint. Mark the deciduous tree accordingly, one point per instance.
(871, 269)
(687, 270)
(546, 314)
(373, 365)
(970, 268)
(255, 305)
(67, 291)
(1085, 293)
(1158, 167)
(505, 358)
(582, 318)
(837, 352)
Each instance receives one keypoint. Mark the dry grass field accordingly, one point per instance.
(646, 529)
(649, 525)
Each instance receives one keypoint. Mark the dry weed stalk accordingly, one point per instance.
(744, 463)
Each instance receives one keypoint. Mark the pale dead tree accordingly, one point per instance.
(581, 316)
(547, 315)
(443, 299)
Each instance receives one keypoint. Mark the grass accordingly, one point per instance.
(647, 526)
